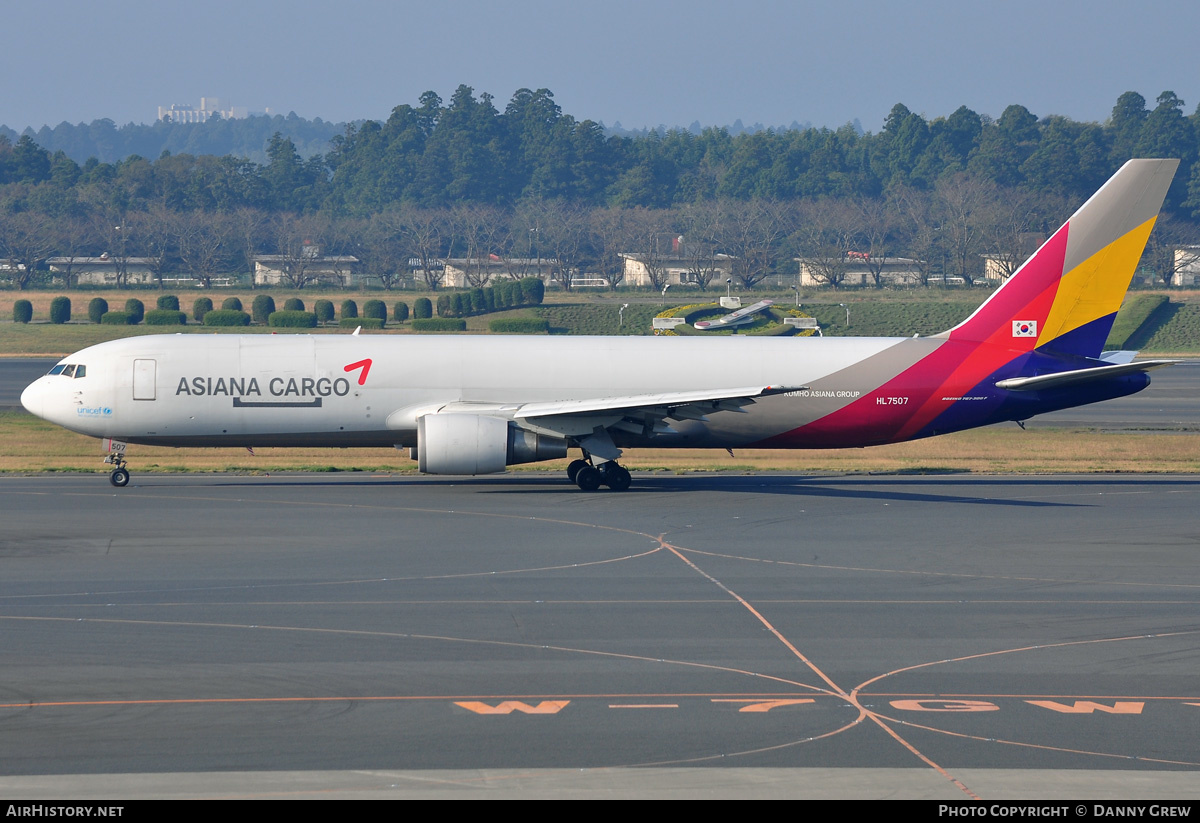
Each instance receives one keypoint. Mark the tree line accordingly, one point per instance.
(464, 179)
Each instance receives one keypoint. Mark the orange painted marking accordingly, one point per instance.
(510, 706)
(365, 365)
(1089, 707)
(763, 705)
(945, 706)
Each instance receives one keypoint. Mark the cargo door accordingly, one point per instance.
(144, 372)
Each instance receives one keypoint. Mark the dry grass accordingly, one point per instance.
(28, 444)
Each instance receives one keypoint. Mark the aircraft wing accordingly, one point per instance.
(1078, 376)
(591, 420)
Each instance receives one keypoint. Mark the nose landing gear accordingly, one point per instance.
(116, 458)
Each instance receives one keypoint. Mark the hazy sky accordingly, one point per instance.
(639, 62)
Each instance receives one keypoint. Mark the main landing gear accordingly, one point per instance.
(589, 478)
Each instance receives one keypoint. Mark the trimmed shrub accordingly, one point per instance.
(231, 304)
(534, 290)
(293, 304)
(400, 312)
(439, 324)
(97, 307)
(226, 317)
(520, 325)
(323, 309)
(116, 318)
(60, 310)
(136, 310)
(168, 301)
(165, 317)
(262, 307)
(365, 322)
(201, 307)
(444, 309)
(422, 308)
(22, 311)
(292, 319)
(376, 309)
(349, 309)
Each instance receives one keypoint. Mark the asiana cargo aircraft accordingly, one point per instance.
(468, 405)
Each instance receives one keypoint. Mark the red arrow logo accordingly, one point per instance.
(365, 365)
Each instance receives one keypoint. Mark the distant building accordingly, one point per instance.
(209, 106)
(676, 269)
(334, 270)
(104, 270)
(1187, 266)
(895, 271)
(490, 269)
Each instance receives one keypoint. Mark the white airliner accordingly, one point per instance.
(474, 405)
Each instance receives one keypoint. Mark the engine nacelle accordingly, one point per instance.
(453, 443)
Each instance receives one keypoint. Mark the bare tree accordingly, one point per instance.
(202, 242)
(26, 240)
(154, 233)
(563, 231)
(873, 235)
(253, 229)
(702, 234)
(653, 230)
(753, 234)
(1172, 246)
(297, 251)
(612, 233)
(964, 205)
(917, 230)
(428, 233)
(825, 238)
(477, 228)
(383, 248)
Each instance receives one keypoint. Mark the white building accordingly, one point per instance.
(104, 270)
(332, 270)
(209, 106)
(895, 271)
(1187, 266)
(676, 269)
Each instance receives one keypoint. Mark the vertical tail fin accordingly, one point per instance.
(1065, 297)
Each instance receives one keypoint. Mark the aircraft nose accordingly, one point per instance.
(34, 397)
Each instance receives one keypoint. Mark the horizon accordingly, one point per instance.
(640, 64)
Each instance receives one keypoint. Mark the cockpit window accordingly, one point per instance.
(58, 369)
(80, 371)
(68, 371)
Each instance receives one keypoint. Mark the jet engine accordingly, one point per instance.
(453, 443)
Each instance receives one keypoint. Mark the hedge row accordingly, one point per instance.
(365, 322)
(292, 319)
(166, 317)
(167, 312)
(226, 317)
(507, 294)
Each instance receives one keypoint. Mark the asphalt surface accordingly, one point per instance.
(724, 636)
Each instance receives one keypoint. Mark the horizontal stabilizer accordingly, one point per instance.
(1078, 376)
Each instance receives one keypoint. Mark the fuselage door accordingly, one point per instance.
(143, 379)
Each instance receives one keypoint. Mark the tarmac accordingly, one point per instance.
(940, 637)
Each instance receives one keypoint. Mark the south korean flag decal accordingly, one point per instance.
(1024, 328)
